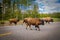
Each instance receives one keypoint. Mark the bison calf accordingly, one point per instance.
(13, 20)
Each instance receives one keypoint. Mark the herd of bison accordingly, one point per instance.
(32, 21)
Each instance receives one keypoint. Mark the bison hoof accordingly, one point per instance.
(39, 30)
(35, 29)
(26, 28)
(30, 29)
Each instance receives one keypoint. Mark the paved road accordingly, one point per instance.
(18, 32)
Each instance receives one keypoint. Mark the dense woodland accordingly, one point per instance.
(11, 9)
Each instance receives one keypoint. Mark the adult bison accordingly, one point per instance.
(33, 21)
(48, 19)
(13, 20)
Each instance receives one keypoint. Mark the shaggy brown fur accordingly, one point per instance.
(48, 19)
(33, 21)
(13, 20)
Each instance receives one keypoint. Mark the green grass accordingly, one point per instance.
(56, 19)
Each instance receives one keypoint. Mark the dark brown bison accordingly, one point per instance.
(48, 19)
(13, 20)
(33, 21)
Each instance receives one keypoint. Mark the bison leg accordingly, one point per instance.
(10, 23)
(37, 27)
(46, 21)
(26, 25)
(15, 23)
(30, 27)
(51, 20)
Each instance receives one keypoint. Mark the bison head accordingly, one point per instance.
(17, 20)
(42, 22)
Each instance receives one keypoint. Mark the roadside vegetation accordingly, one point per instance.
(12, 9)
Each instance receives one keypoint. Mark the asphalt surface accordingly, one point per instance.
(18, 32)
